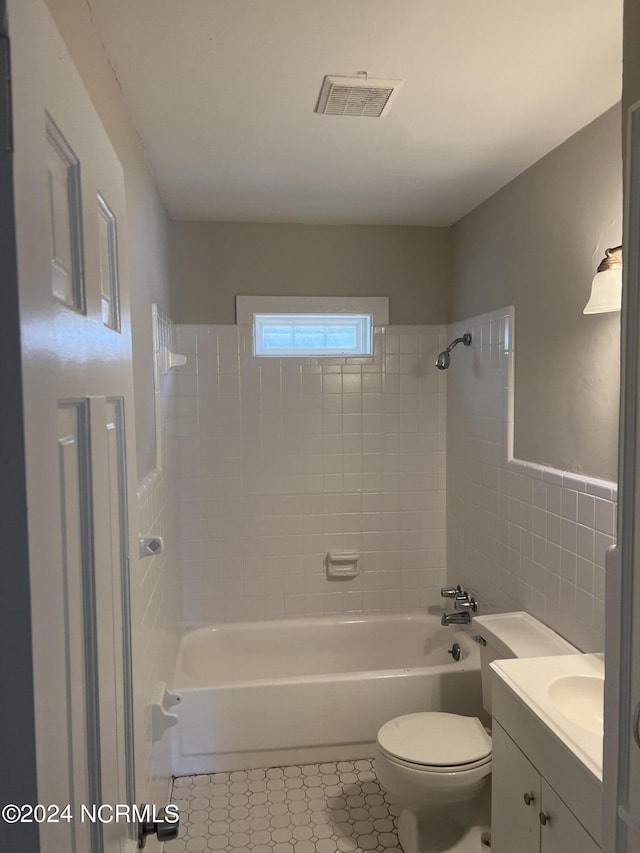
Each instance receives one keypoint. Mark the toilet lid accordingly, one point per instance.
(435, 739)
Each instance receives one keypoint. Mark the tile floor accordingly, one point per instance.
(314, 808)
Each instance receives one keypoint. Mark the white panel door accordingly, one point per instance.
(78, 399)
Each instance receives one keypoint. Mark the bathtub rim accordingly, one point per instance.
(331, 619)
(182, 680)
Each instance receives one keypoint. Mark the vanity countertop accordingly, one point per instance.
(566, 694)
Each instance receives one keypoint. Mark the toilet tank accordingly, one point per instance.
(514, 635)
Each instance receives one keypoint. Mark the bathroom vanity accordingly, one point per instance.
(547, 754)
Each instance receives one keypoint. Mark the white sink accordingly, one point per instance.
(580, 698)
(566, 694)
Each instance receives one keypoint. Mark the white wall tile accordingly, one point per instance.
(520, 536)
(289, 459)
(280, 461)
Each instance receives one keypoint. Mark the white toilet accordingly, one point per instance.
(437, 765)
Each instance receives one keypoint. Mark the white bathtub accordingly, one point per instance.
(318, 689)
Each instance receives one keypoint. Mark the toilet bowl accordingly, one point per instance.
(437, 765)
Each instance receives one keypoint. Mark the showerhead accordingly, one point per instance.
(444, 360)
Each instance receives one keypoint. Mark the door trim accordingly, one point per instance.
(620, 575)
(18, 782)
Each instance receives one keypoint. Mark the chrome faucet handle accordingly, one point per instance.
(468, 604)
(451, 591)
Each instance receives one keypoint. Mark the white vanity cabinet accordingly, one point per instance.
(527, 814)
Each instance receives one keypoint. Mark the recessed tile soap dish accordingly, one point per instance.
(342, 565)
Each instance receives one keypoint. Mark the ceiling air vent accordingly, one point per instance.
(356, 96)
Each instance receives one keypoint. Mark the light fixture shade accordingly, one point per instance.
(606, 288)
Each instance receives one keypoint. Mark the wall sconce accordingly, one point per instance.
(606, 288)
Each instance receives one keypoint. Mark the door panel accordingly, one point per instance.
(65, 219)
(74, 479)
(112, 607)
(109, 282)
(121, 561)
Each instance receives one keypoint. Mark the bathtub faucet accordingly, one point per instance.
(462, 618)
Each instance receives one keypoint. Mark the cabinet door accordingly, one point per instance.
(562, 833)
(514, 824)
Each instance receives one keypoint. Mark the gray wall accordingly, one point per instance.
(536, 244)
(211, 263)
(147, 222)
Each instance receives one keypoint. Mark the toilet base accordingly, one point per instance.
(463, 828)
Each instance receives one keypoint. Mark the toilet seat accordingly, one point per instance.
(434, 768)
(436, 742)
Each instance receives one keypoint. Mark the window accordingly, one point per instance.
(315, 335)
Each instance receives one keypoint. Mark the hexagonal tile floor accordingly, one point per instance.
(315, 808)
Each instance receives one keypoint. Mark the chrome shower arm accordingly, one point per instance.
(464, 339)
(442, 361)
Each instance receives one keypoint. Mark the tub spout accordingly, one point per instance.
(462, 618)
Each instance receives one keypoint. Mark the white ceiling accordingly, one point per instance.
(223, 93)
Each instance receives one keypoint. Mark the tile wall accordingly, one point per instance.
(521, 536)
(159, 589)
(283, 460)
